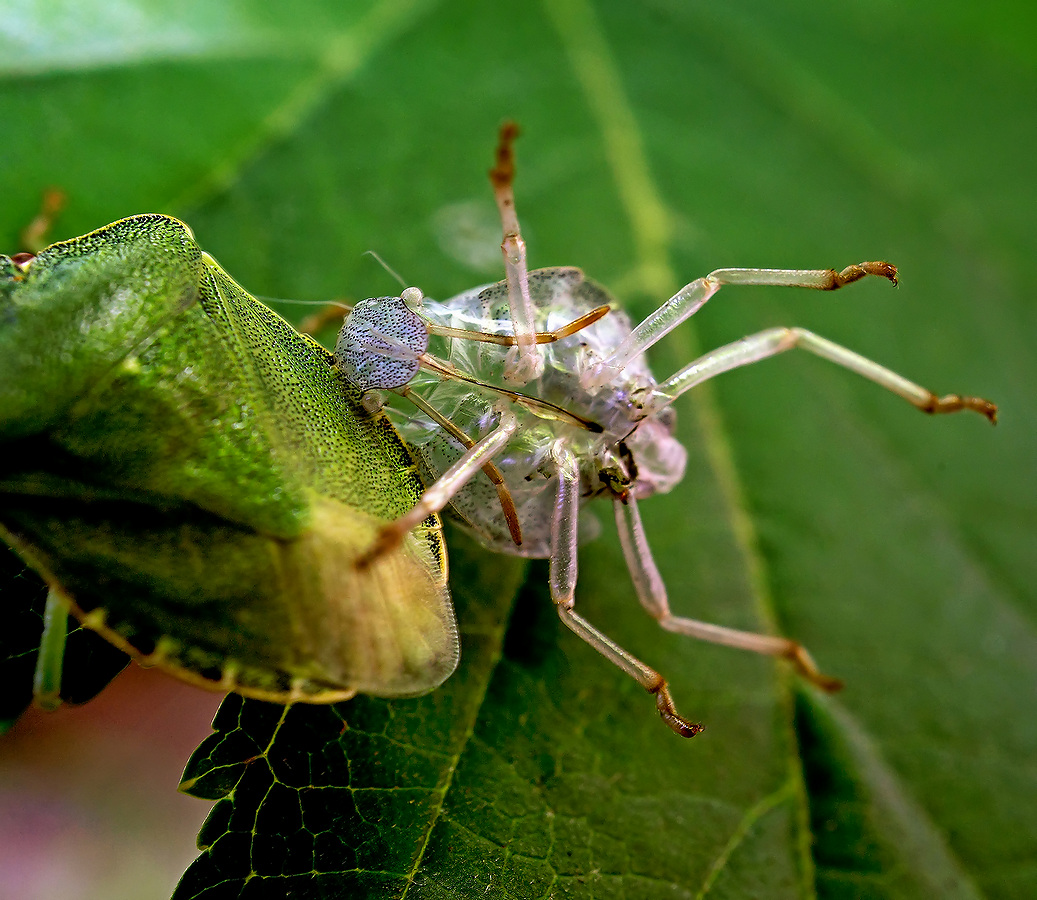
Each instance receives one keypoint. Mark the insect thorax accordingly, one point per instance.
(635, 452)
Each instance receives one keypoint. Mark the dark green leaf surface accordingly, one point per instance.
(90, 662)
(661, 140)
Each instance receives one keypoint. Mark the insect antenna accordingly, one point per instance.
(535, 405)
(330, 313)
(377, 257)
(512, 340)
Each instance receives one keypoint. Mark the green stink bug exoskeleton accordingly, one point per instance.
(195, 481)
(577, 418)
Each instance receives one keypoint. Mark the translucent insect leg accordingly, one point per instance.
(563, 570)
(777, 340)
(46, 684)
(690, 299)
(523, 363)
(489, 469)
(652, 592)
(449, 483)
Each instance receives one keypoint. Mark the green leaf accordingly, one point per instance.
(661, 141)
(90, 662)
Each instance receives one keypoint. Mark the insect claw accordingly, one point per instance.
(862, 270)
(503, 173)
(804, 663)
(828, 684)
(387, 540)
(955, 402)
(983, 407)
(664, 703)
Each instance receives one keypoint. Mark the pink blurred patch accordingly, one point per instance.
(89, 806)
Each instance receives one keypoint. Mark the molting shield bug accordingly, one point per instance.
(531, 373)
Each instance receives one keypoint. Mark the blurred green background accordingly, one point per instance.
(660, 140)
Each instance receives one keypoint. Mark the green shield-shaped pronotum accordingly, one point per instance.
(193, 479)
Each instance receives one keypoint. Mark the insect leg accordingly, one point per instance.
(438, 495)
(34, 236)
(777, 340)
(652, 593)
(563, 568)
(46, 683)
(489, 468)
(329, 314)
(690, 299)
(523, 363)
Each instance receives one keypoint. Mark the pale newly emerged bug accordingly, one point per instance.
(532, 373)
